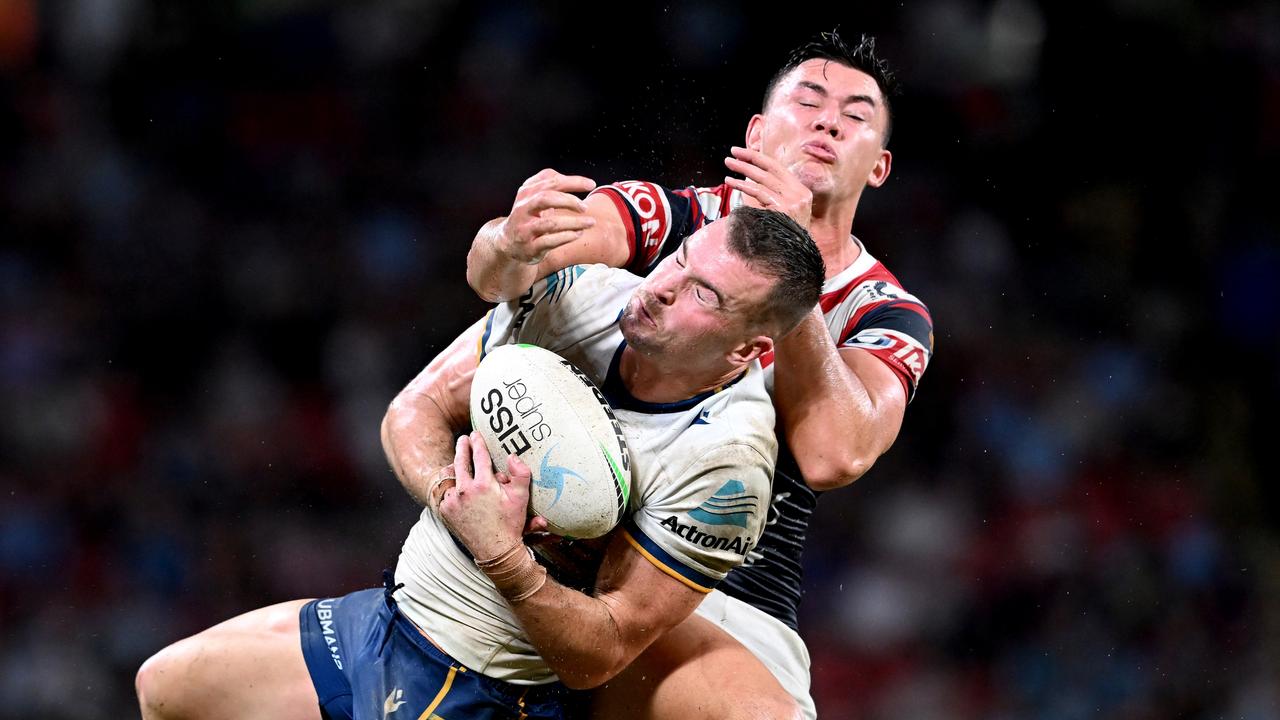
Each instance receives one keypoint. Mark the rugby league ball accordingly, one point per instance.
(529, 402)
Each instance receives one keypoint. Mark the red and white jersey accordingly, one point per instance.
(865, 305)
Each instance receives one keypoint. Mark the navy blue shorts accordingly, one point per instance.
(369, 662)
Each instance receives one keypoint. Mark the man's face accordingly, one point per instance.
(825, 122)
(697, 307)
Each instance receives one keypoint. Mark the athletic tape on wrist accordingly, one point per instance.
(433, 495)
(515, 573)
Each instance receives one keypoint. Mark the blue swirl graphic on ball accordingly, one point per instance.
(551, 477)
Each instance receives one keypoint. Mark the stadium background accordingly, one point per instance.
(232, 231)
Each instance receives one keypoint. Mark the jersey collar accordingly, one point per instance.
(860, 266)
(620, 398)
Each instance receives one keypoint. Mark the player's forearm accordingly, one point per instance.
(422, 421)
(576, 634)
(418, 442)
(494, 276)
(587, 639)
(834, 425)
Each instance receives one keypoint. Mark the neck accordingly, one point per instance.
(831, 227)
(657, 382)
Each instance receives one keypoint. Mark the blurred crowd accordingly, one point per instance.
(230, 232)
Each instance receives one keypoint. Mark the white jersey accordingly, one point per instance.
(701, 474)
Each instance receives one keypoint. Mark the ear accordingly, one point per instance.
(880, 171)
(750, 350)
(755, 130)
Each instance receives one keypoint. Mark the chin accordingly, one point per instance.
(818, 180)
(634, 334)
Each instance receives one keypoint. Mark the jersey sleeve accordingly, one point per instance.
(894, 326)
(552, 313)
(657, 219)
(701, 526)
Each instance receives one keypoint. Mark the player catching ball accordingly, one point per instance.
(472, 626)
(841, 381)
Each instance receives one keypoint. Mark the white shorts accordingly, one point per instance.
(776, 645)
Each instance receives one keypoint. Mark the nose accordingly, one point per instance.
(664, 290)
(827, 120)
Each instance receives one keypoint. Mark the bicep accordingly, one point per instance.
(605, 243)
(885, 388)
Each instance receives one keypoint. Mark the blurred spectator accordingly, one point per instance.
(232, 232)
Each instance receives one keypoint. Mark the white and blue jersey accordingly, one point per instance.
(701, 473)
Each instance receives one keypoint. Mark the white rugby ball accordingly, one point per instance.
(532, 403)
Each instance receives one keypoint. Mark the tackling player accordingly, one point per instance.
(841, 381)
(475, 628)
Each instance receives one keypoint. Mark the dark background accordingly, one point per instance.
(232, 231)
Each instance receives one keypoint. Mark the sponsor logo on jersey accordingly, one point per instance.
(324, 613)
(551, 476)
(895, 347)
(885, 290)
(697, 536)
(393, 702)
(730, 505)
(559, 283)
(651, 206)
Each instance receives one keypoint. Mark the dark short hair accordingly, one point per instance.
(862, 56)
(776, 246)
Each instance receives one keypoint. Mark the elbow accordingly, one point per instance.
(590, 668)
(585, 679)
(477, 285)
(384, 430)
(394, 417)
(476, 279)
(582, 682)
(823, 473)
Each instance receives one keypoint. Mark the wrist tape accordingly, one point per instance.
(515, 573)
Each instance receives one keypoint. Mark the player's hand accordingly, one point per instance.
(484, 509)
(535, 528)
(769, 184)
(545, 216)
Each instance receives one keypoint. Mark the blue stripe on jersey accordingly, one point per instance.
(897, 316)
(484, 339)
(665, 562)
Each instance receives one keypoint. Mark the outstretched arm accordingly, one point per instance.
(548, 229)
